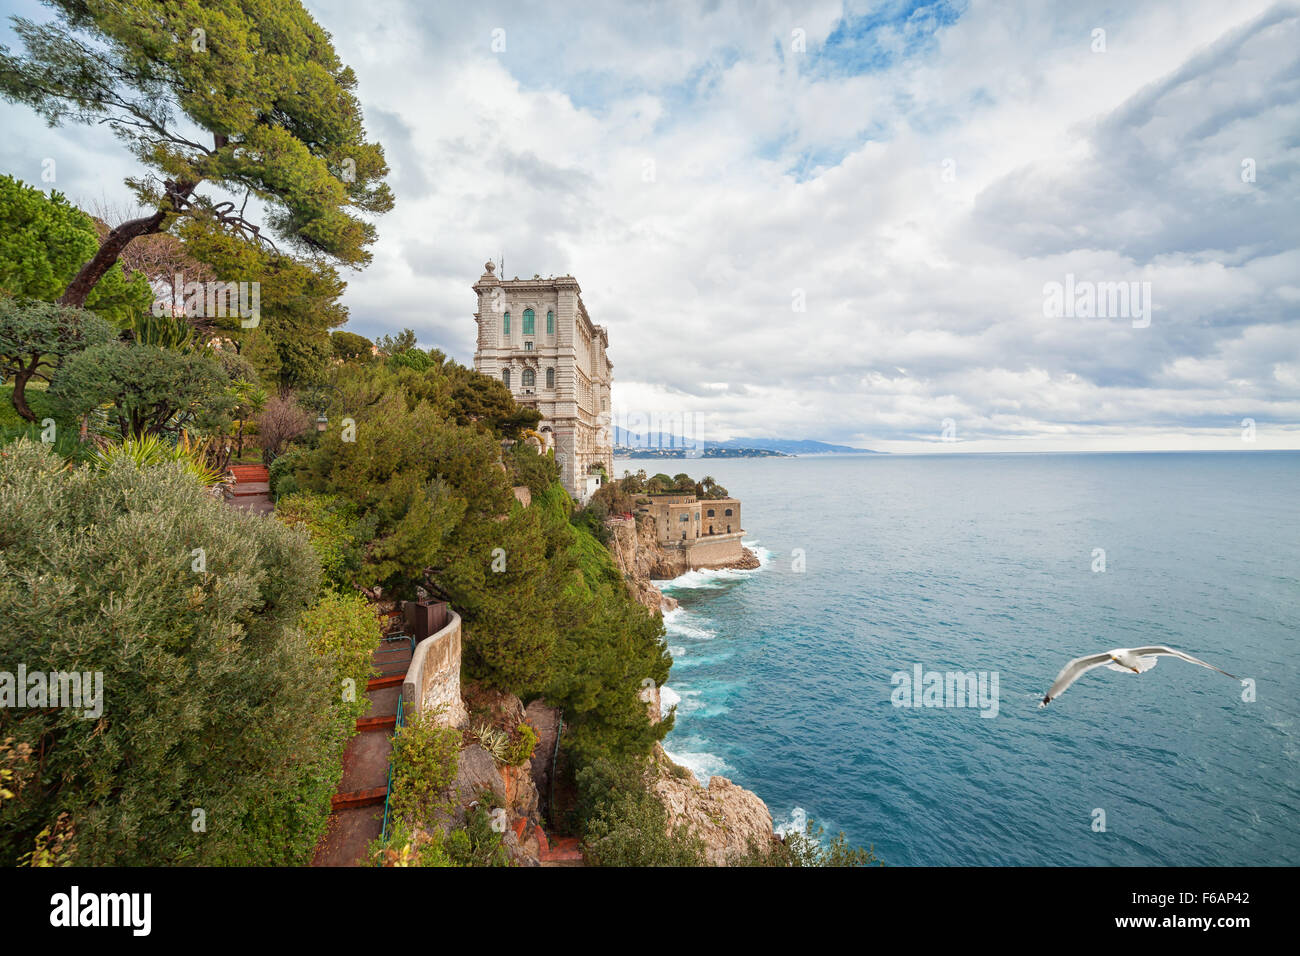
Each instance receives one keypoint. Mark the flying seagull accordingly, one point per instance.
(1122, 659)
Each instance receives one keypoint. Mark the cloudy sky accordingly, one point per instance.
(839, 220)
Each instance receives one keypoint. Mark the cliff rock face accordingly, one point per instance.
(639, 556)
(513, 788)
(727, 818)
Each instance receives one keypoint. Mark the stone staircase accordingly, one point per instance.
(357, 807)
(251, 489)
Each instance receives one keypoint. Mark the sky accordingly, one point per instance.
(852, 222)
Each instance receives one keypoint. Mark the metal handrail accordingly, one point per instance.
(400, 723)
(383, 833)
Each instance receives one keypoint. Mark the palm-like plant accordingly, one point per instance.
(250, 399)
(164, 331)
(149, 450)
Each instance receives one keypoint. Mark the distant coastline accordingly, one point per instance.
(628, 444)
(625, 452)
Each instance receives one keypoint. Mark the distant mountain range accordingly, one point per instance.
(663, 444)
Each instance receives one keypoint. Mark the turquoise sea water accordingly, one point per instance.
(985, 563)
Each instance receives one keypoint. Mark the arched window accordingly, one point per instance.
(550, 378)
(505, 376)
(505, 325)
(711, 513)
(728, 512)
(530, 378)
(550, 322)
(528, 321)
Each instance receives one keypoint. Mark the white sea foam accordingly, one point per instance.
(795, 822)
(717, 577)
(668, 698)
(681, 623)
(763, 554)
(703, 765)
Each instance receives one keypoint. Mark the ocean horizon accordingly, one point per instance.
(1005, 565)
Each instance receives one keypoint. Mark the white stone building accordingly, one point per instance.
(535, 336)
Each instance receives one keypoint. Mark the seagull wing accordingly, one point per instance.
(1171, 652)
(1071, 672)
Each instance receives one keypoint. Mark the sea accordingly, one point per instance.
(795, 680)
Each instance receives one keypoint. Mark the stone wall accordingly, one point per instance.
(433, 678)
(717, 550)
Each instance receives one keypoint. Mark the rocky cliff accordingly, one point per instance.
(639, 556)
(728, 819)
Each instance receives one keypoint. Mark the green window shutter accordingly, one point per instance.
(506, 327)
(550, 323)
(528, 321)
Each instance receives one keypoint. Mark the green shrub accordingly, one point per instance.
(529, 468)
(67, 443)
(420, 804)
(213, 698)
(424, 770)
(522, 745)
(476, 843)
(152, 390)
(623, 821)
(332, 526)
(281, 472)
(807, 849)
(344, 629)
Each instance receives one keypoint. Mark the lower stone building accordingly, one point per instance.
(707, 530)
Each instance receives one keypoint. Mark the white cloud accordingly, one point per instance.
(825, 171)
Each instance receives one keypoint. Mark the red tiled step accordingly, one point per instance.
(377, 723)
(566, 850)
(358, 798)
(388, 680)
(250, 473)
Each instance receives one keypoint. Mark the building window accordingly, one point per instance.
(528, 346)
(528, 321)
(530, 378)
(550, 378)
(550, 323)
(710, 512)
(685, 517)
(505, 325)
(505, 376)
(728, 512)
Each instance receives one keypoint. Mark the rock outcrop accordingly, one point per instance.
(728, 819)
(637, 554)
(640, 557)
(479, 777)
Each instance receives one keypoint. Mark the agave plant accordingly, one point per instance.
(164, 331)
(149, 450)
(496, 742)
